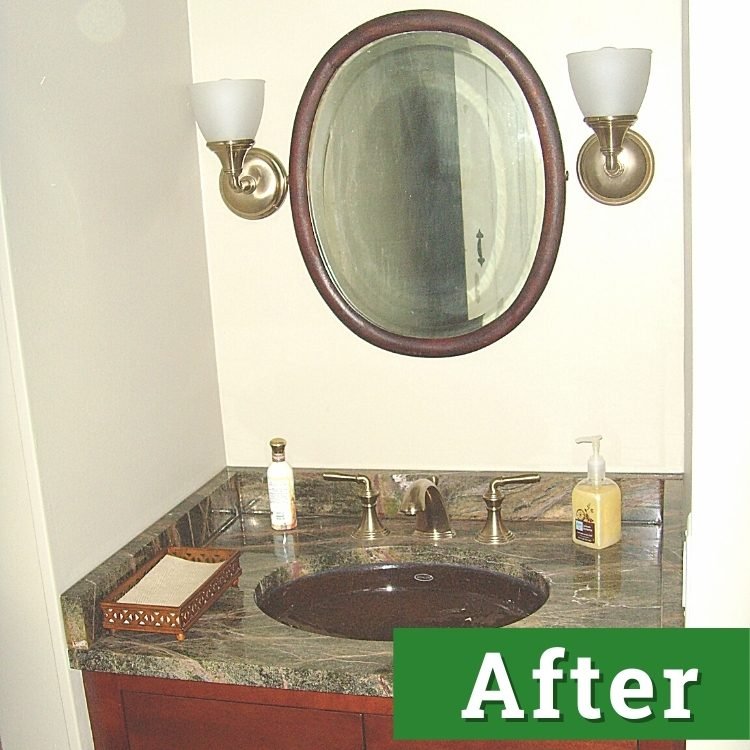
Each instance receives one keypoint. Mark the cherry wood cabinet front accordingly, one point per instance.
(149, 713)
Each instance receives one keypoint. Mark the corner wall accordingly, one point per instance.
(110, 337)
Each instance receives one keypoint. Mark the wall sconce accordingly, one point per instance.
(253, 182)
(616, 165)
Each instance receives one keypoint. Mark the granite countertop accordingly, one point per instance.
(636, 583)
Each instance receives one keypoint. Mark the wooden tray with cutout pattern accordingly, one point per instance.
(152, 618)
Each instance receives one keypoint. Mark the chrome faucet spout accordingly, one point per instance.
(423, 500)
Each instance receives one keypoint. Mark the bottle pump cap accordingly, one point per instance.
(596, 462)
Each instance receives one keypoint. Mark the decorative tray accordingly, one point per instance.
(186, 587)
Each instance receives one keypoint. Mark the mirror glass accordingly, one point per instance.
(426, 192)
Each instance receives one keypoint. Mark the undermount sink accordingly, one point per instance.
(364, 596)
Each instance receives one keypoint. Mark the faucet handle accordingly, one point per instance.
(494, 530)
(497, 482)
(370, 526)
(366, 491)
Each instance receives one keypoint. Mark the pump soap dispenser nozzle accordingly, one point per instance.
(597, 503)
(596, 466)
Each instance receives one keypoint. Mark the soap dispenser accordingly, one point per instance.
(597, 504)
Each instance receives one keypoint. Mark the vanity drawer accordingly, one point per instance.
(166, 722)
(152, 713)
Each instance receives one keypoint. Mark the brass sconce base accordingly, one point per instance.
(629, 181)
(253, 182)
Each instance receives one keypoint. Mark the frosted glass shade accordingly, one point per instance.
(228, 110)
(610, 81)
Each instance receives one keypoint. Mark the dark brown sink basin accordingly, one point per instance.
(366, 601)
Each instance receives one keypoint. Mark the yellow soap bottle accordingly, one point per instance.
(597, 504)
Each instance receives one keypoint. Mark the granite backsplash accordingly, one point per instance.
(548, 500)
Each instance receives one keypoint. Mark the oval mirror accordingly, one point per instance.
(427, 183)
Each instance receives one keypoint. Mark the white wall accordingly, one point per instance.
(718, 556)
(601, 352)
(31, 666)
(109, 334)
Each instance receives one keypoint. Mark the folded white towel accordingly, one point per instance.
(170, 582)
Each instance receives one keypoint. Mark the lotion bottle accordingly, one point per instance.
(597, 504)
(281, 489)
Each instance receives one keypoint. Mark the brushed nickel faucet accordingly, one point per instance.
(494, 530)
(423, 500)
(370, 526)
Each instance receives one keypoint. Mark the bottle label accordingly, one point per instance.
(585, 531)
(281, 501)
(585, 528)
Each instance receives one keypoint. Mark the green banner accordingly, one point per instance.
(571, 683)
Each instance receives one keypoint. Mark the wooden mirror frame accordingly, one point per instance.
(554, 179)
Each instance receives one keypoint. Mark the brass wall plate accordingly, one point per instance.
(637, 170)
(271, 183)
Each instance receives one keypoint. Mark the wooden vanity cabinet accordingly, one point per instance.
(149, 713)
